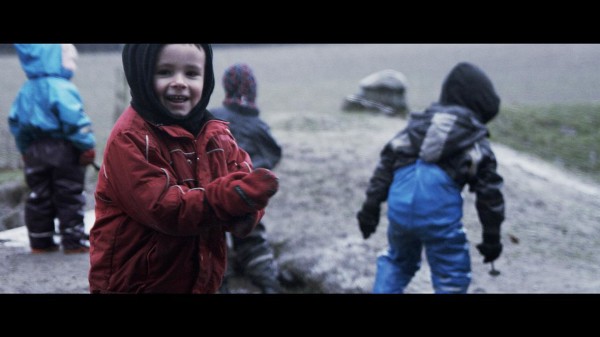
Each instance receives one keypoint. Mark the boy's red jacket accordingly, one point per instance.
(155, 232)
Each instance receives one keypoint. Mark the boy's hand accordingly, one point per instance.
(257, 187)
(240, 193)
(490, 248)
(368, 219)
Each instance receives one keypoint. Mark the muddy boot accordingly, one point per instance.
(42, 243)
(258, 264)
(74, 240)
(262, 272)
(43, 250)
(267, 284)
(288, 279)
(255, 257)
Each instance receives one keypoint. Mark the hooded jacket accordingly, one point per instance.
(452, 135)
(155, 230)
(48, 104)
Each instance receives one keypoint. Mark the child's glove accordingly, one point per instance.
(490, 248)
(87, 157)
(257, 188)
(368, 219)
(240, 193)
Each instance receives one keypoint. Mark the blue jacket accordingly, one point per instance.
(48, 104)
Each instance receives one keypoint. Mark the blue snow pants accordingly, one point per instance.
(424, 211)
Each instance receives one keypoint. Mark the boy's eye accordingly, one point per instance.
(193, 73)
(163, 72)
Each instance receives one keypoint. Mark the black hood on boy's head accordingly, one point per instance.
(468, 86)
(139, 63)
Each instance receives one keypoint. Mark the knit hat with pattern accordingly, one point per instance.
(240, 86)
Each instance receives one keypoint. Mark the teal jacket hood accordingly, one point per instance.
(42, 60)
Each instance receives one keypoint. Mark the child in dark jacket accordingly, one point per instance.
(54, 135)
(172, 182)
(421, 174)
(253, 254)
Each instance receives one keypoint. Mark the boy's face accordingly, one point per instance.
(69, 56)
(179, 77)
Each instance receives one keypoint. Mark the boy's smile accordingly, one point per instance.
(179, 77)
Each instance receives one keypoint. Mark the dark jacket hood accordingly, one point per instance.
(139, 63)
(468, 86)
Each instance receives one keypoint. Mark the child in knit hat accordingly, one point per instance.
(253, 254)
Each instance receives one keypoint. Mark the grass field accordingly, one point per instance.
(566, 135)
